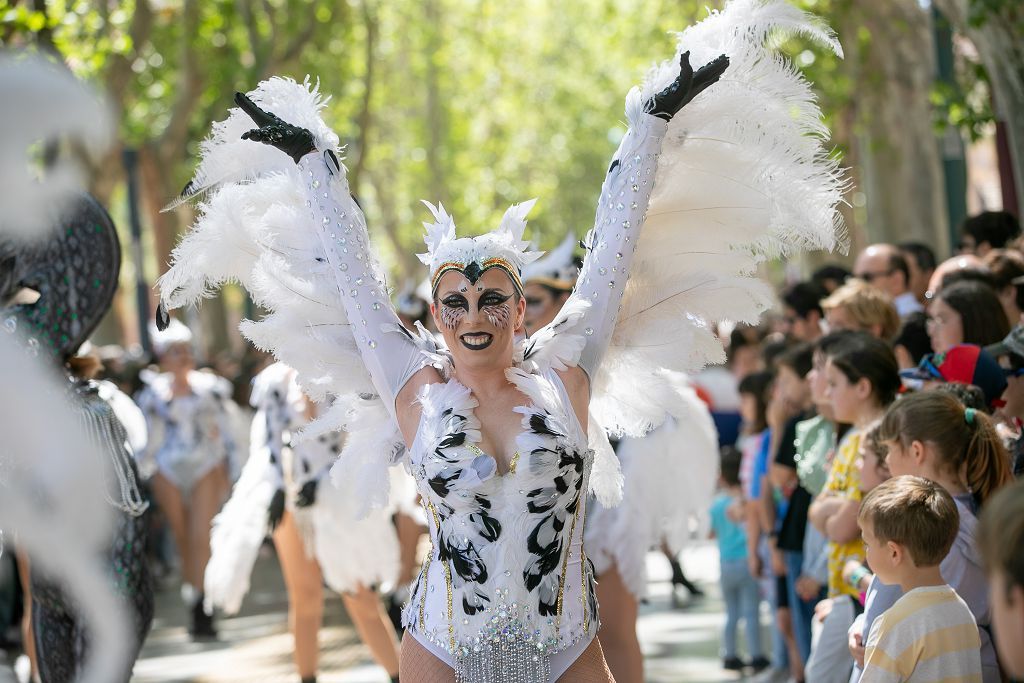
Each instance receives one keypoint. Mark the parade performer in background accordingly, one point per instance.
(669, 478)
(190, 456)
(505, 440)
(283, 490)
(57, 291)
(548, 282)
(667, 475)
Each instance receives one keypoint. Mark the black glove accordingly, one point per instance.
(294, 141)
(276, 510)
(307, 494)
(687, 85)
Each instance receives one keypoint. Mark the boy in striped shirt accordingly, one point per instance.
(929, 634)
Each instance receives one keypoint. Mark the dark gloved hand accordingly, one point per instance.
(687, 85)
(276, 510)
(307, 494)
(294, 141)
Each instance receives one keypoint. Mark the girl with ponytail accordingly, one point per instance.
(932, 435)
(936, 437)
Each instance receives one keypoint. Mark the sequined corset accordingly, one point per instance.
(506, 583)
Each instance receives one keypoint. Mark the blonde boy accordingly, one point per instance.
(929, 634)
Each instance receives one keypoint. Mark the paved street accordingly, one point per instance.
(680, 643)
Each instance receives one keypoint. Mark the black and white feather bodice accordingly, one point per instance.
(507, 568)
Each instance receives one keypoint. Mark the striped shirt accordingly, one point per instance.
(928, 636)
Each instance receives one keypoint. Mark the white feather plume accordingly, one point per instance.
(251, 229)
(227, 158)
(513, 224)
(743, 176)
(238, 530)
(669, 483)
(441, 230)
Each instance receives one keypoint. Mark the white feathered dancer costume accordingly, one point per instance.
(350, 553)
(669, 480)
(688, 210)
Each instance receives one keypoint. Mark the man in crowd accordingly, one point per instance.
(921, 262)
(987, 231)
(802, 312)
(883, 266)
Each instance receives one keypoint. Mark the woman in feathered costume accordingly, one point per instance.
(504, 439)
(280, 492)
(190, 456)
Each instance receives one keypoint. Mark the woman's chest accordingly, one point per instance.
(468, 447)
(500, 428)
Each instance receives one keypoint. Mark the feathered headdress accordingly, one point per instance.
(175, 333)
(503, 248)
(558, 268)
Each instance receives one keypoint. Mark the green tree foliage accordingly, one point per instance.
(475, 103)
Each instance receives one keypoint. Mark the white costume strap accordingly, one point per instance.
(387, 350)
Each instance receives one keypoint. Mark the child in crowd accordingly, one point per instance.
(932, 435)
(1001, 540)
(787, 501)
(909, 525)
(878, 596)
(816, 441)
(739, 589)
(863, 378)
(754, 444)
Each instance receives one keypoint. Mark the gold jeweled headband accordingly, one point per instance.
(474, 270)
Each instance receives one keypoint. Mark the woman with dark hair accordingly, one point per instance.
(966, 313)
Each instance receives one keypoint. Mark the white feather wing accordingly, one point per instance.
(743, 176)
(253, 229)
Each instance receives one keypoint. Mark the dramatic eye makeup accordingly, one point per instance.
(495, 306)
(454, 308)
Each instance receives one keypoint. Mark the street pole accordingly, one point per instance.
(130, 159)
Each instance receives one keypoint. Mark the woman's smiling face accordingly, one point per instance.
(478, 320)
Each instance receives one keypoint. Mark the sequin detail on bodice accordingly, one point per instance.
(506, 583)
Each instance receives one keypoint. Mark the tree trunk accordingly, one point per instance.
(365, 117)
(390, 223)
(436, 113)
(1000, 45)
(896, 149)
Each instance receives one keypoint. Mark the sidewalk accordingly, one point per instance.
(679, 643)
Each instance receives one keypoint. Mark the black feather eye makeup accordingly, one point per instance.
(495, 306)
(453, 309)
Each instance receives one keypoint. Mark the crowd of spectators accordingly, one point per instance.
(880, 419)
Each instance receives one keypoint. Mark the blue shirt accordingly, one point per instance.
(732, 539)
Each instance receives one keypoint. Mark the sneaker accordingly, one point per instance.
(759, 664)
(732, 664)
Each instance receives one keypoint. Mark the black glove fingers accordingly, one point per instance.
(712, 71)
(258, 116)
(685, 69)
